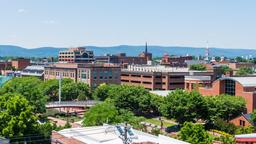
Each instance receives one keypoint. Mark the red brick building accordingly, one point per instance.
(20, 63)
(175, 61)
(194, 82)
(243, 120)
(4, 65)
(92, 74)
(123, 59)
(236, 86)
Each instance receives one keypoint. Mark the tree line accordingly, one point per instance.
(23, 99)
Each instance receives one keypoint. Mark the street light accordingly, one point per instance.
(60, 77)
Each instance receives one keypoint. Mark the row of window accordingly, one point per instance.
(144, 76)
(64, 74)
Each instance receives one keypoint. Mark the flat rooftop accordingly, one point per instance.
(109, 134)
(157, 68)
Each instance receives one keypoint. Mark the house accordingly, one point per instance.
(243, 120)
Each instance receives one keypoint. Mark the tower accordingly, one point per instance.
(207, 52)
(146, 48)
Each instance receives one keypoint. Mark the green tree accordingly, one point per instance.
(104, 112)
(224, 106)
(102, 91)
(253, 116)
(198, 67)
(70, 90)
(184, 106)
(17, 117)
(225, 126)
(224, 69)
(244, 130)
(29, 88)
(240, 59)
(194, 134)
(243, 71)
(133, 98)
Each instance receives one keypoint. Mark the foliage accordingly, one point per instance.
(102, 92)
(227, 139)
(194, 134)
(102, 113)
(184, 106)
(106, 112)
(29, 88)
(17, 118)
(243, 71)
(224, 69)
(222, 125)
(134, 98)
(198, 67)
(224, 106)
(70, 90)
(253, 116)
(240, 59)
(156, 131)
(244, 130)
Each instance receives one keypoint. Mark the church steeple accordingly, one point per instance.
(146, 48)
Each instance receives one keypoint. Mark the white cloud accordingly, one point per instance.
(21, 10)
(49, 22)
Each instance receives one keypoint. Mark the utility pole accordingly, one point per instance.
(125, 134)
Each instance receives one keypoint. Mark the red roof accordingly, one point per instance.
(245, 139)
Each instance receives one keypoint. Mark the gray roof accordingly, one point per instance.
(198, 78)
(245, 81)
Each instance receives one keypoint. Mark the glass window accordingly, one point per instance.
(230, 87)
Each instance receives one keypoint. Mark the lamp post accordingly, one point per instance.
(60, 77)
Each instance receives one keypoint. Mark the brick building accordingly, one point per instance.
(4, 65)
(92, 74)
(235, 86)
(76, 55)
(122, 58)
(20, 63)
(194, 82)
(158, 77)
(175, 61)
(244, 120)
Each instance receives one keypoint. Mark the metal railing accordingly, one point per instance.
(72, 103)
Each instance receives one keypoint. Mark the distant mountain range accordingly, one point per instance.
(10, 50)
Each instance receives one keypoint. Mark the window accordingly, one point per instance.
(230, 87)
(242, 123)
(83, 75)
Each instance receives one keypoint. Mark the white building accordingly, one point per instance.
(109, 134)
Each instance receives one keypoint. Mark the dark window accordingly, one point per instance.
(230, 87)
(147, 76)
(242, 123)
(146, 82)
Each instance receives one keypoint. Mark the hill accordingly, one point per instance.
(10, 50)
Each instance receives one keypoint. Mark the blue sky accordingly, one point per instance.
(66, 23)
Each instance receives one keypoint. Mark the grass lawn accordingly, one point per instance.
(158, 123)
